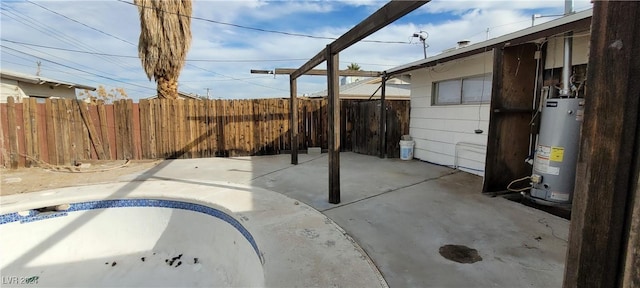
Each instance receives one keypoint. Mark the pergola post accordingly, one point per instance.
(604, 243)
(293, 112)
(382, 130)
(334, 125)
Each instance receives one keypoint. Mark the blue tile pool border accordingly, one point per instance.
(121, 203)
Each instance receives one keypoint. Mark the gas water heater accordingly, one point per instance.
(556, 154)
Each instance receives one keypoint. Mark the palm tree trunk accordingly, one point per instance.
(167, 88)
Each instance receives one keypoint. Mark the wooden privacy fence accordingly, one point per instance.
(63, 131)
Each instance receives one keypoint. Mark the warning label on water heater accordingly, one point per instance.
(543, 152)
(557, 154)
(543, 156)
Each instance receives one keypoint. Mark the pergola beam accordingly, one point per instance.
(319, 72)
(322, 72)
(390, 12)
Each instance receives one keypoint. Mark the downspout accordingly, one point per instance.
(568, 45)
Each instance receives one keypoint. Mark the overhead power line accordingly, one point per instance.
(85, 25)
(266, 30)
(51, 31)
(73, 68)
(135, 57)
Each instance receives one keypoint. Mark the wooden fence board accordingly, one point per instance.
(189, 134)
(256, 126)
(111, 126)
(117, 113)
(88, 149)
(273, 120)
(239, 127)
(194, 128)
(247, 121)
(208, 125)
(129, 127)
(160, 118)
(281, 120)
(226, 130)
(57, 132)
(233, 125)
(104, 131)
(179, 147)
(160, 114)
(152, 125)
(62, 138)
(143, 105)
(94, 137)
(135, 126)
(286, 126)
(32, 131)
(4, 143)
(95, 118)
(166, 129)
(201, 131)
(264, 126)
(41, 120)
(219, 117)
(75, 131)
(126, 131)
(213, 128)
(230, 130)
(205, 127)
(13, 134)
(51, 132)
(28, 137)
(59, 126)
(20, 134)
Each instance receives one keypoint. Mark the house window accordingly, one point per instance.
(470, 90)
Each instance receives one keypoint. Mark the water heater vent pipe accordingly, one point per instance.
(568, 45)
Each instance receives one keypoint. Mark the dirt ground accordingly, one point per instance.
(35, 179)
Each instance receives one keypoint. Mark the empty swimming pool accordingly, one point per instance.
(128, 242)
(174, 233)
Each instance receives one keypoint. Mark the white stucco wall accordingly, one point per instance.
(438, 131)
(20, 90)
(9, 88)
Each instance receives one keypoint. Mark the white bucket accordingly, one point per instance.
(406, 149)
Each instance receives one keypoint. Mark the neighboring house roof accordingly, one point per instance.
(33, 79)
(364, 88)
(560, 25)
(180, 95)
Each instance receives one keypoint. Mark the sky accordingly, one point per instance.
(95, 42)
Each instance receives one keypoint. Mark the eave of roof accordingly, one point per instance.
(560, 25)
(41, 80)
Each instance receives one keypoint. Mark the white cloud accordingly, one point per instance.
(461, 6)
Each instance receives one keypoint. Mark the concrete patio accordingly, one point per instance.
(402, 212)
